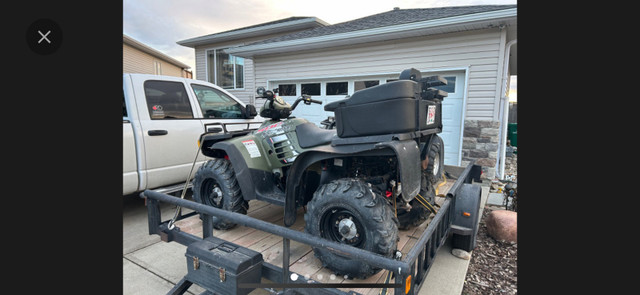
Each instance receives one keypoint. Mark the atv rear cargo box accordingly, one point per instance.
(219, 265)
(394, 107)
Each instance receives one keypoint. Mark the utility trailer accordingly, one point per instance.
(222, 267)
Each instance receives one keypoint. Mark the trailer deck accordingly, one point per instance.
(302, 259)
(287, 250)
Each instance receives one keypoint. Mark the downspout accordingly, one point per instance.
(504, 110)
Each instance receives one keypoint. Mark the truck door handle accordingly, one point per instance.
(157, 132)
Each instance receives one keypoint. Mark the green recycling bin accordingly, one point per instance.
(512, 134)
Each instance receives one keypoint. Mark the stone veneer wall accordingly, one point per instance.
(480, 142)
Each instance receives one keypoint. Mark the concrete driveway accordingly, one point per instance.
(151, 266)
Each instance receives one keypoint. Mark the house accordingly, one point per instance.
(473, 47)
(140, 58)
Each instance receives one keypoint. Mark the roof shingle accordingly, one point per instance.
(389, 18)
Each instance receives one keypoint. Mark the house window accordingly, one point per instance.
(287, 89)
(311, 89)
(167, 100)
(337, 88)
(359, 85)
(225, 70)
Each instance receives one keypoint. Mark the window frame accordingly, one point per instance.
(213, 79)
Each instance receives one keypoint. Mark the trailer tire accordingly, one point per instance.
(347, 211)
(215, 185)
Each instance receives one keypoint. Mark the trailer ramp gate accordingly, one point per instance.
(409, 272)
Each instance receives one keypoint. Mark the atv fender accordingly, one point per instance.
(240, 168)
(406, 151)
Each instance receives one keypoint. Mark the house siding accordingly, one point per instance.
(137, 61)
(247, 94)
(477, 50)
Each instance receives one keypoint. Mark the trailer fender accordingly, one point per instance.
(466, 217)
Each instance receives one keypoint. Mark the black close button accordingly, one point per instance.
(44, 36)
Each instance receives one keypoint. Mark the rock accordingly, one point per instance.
(502, 225)
(462, 254)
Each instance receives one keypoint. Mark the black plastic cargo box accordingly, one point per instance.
(220, 266)
(394, 107)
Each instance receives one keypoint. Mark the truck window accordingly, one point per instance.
(216, 104)
(167, 100)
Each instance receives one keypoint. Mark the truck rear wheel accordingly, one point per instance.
(347, 211)
(215, 185)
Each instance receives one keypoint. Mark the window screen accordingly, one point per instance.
(167, 100)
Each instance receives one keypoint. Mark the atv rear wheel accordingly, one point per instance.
(347, 211)
(215, 185)
(436, 160)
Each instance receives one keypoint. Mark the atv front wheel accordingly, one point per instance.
(347, 211)
(215, 185)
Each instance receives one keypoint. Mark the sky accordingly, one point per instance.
(161, 23)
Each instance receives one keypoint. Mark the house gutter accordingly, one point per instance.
(504, 111)
(368, 35)
(309, 22)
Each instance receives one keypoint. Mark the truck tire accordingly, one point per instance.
(347, 211)
(436, 159)
(215, 185)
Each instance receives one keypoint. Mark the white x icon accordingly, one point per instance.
(44, 37)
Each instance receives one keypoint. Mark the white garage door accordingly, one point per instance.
(333, 89)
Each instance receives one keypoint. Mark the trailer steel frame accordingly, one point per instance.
(409, 272)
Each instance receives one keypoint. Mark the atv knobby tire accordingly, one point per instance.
(436, 160)
(215, 185)
(351, 201)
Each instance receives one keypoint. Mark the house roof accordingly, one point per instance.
(393, 17)
(394, 24)
(277, 26)
(145, 48)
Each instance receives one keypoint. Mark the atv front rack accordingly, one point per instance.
(409, 272)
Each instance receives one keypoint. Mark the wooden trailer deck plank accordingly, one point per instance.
(302, 259)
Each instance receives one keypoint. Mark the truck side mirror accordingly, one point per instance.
(250, 111)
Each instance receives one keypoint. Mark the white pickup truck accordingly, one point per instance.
(163, 118)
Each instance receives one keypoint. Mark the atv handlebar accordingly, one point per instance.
(306, 99)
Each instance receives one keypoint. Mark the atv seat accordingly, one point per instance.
(310, 135)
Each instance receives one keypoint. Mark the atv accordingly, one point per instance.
(368, 173)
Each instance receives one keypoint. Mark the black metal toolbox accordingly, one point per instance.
(219, 266)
